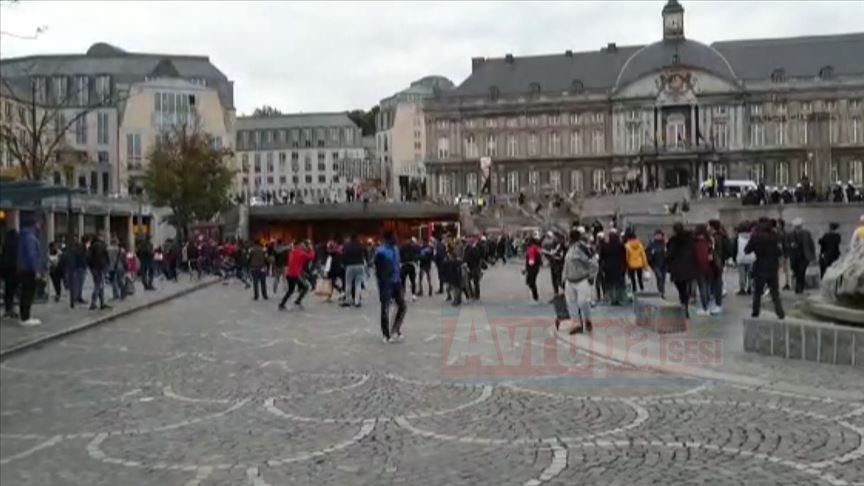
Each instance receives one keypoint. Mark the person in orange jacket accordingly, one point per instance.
(637, 260)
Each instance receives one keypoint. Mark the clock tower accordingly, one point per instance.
(673, 21)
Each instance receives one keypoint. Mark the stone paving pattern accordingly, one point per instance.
(215, 389)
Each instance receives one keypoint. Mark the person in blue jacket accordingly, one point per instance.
(389, 287)
(29, 269)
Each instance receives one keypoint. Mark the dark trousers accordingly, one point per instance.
(773, 283)
(556, 270)
(57, 282)
(531, 280)
(391, 292)
(427, 273)
(454, 276)
(635, 275)
(98, 276)
(408, 271)
(474, 282)
(684, 288)
(799, 271)
(439, 270)
(299, 284)
(660, 277)
(824, 263)
(10, 287)
(147, 274)
(27, 280)
(259, 281)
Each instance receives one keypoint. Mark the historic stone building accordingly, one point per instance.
(662, 115)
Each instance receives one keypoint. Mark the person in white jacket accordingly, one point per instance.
(743, 260)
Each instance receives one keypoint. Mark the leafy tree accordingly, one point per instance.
(365, 119)
(266, 110)
(188, 174)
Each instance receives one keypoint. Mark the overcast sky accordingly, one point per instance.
(334, 56)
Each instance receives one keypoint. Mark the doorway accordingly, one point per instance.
(677, 177)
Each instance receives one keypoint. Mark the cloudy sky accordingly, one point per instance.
(323, 56)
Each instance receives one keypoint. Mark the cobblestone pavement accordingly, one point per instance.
(215, 389)
(57, 316)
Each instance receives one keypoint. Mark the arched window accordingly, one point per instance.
(577, 86)
(535, 88)
(826, 72)
(494, 92)
(778, 75)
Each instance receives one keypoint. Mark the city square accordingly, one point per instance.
(421, 243)
(214, 388)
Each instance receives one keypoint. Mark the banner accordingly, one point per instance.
(485, 175)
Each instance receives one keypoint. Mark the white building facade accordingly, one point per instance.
(304, 155)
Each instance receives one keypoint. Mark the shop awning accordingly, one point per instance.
(22, 192)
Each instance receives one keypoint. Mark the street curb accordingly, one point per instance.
(27, 345)
(712, 375)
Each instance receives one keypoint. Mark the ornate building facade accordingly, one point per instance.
(667, 114)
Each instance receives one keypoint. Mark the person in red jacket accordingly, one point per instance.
(532, 267)
(299, 257)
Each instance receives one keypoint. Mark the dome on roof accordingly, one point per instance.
(102, 49)
(434, 81)
(670, 52)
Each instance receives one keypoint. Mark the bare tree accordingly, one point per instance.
(35, 134)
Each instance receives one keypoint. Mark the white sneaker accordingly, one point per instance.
(716, 310)
(31, 322)
(397, 338)
(385, 340)
(701, 312)
(413, 298)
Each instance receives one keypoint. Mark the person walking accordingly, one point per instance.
(354, 258)
(767, 245)
(829, 248)
(145, 257)
(115, 268)
(474, 263)
(98, 261)
(532, 267)
(703, 250)
(410, 256)
(280, 259)
(555, 256)
(579, 270)
(802, 251)
(681, 262)
(780, 226)
(29, 268)
(299, 258)
(637, 260)
(427, 254)
(77, 271)
(613, 263)
(258, 268)
(387, 273)
(440, 258)
(656, 253)
(743, 261)
(9, 273)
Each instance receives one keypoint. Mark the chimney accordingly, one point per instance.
(476, 62)
(611, 47)
(508, 58)
(568, 53)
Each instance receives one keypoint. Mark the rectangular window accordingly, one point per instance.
(307, 163)
(443, 147)
(534, 180)
(102, 128)
(349, 136)
(856, 172)
(576, 182)
(270, 162)
(283, 161)
(757, 134)
(491, 145)
(720, 134)
(471, 146)
(81, 130)
(82, 89)
(834, 129)
(805, 128)
(282, 180)
(533, 144)
(512, 146)
(781, 175)
(855, 133)
(308, 178)
(133, 147)
(574, 118)
(322, 178)
(781, 132)
(61, 90)
(575, 142)
(102, 157)
(598, 142)
(257, 162)
(513, 182)
(295, 161)
(598, 180)
(833, 171)
(555, 181)
(633, 143)
(322, 164)
(103, 89)
(554, 143)
(471, 183)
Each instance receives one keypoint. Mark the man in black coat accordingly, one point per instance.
(829, 248)
(768, 247)
(802, 251)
